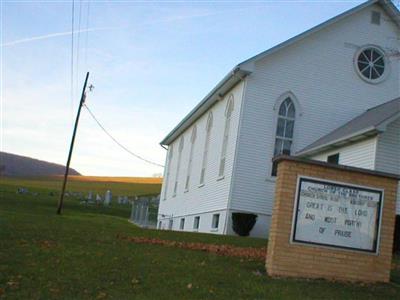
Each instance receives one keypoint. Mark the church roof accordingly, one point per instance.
(370, 123)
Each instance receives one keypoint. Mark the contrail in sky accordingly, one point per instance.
(58, 34)
(170, 19)
(52, 35)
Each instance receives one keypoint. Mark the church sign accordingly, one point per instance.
(331, 221)
(339, 215)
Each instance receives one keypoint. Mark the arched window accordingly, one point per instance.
(189, 169)
(178, 166)
(228, 115)
(284, 130)
(168, 170)
(206, 147)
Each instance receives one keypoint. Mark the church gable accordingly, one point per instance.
(320, 70)
(378, 12)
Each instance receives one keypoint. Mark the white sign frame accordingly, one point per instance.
(293, 240)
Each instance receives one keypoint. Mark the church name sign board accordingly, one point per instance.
(339, 215)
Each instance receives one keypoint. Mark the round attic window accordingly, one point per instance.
(371, 64)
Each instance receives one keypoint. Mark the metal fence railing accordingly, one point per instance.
(144, 211)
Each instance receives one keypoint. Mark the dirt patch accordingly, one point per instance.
(223, 250)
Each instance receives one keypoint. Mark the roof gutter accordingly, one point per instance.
(223, 87)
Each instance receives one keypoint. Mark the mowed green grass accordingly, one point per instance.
(79, 256)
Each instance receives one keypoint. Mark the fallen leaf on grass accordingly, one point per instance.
(54, 290)
(12, 284)
(2, 291)
(46, 244)
(101, 295)
(225, 250)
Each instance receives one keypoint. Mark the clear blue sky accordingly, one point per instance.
(150, 62)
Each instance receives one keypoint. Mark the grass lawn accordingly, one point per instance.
(78, 256)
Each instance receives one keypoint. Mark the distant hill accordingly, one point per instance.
(17, 165)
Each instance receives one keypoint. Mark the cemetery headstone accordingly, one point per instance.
(107, 198)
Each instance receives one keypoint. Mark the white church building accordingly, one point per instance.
(331, 93)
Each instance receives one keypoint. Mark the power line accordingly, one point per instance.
(78, 43)
(72, 58)
(118, 143)
(87, 34)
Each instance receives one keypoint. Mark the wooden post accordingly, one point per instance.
(83, 96)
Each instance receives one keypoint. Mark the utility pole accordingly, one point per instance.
(83, 96)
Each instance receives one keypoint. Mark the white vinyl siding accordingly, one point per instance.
(388, 153)
(360, 154)
(213, 196)
(388, 149)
